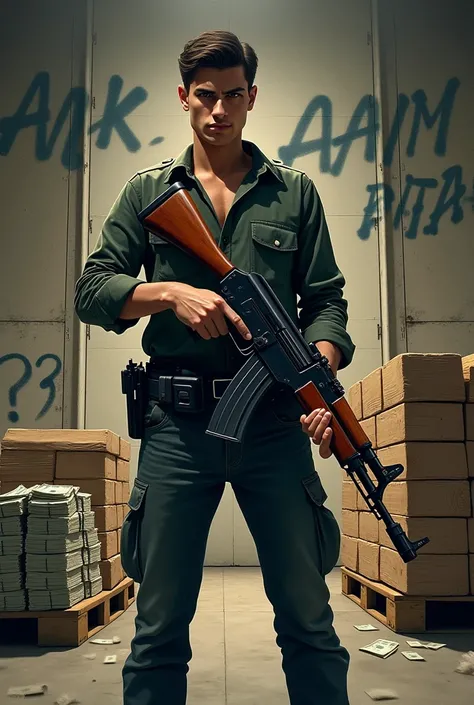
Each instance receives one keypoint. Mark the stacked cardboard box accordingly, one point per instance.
(415, 411)
(96, 461)
(468, 371)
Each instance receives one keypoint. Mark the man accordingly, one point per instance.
(266, 218)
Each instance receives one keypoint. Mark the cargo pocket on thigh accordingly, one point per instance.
(130, 537)
(328, 534)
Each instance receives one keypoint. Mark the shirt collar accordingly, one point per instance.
(260, 162)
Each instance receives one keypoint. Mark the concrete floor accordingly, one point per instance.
(236, 660)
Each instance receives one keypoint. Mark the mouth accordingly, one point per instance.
(215, 127)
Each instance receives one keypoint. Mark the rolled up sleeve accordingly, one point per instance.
(111, 271)
(323, 313)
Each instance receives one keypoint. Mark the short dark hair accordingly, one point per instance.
(216, 49)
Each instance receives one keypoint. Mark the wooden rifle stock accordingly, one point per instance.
(175, 217)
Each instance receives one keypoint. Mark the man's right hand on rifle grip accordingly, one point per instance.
(204, 311)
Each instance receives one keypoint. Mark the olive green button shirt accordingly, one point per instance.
(276, 226)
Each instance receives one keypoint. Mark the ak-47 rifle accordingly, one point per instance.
(277, 354)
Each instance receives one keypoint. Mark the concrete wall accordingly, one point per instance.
(41, 119)
(369, 98)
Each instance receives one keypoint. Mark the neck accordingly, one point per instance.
(210, 160)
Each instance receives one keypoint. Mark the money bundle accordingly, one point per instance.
(62, 548)
(81, 479)
(13, 509)
(381, 648)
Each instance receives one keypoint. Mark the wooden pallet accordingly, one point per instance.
(70, 627)
(408, 613)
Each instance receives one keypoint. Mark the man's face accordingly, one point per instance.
(218, 102)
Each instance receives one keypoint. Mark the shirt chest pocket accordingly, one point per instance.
(273, 251)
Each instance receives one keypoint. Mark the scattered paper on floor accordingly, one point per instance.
(382, 694)
(466, 664)
(24, 690)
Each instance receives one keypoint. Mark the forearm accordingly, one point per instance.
(332, 352)
(147, 299)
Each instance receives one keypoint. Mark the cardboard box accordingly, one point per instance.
(125, 449)
(423, 377)
(469, 445)
(108, 544)
(125, 492)
(469, 421)
(107, 518)
(448, 536)
(354, 398)
(470, 534)
(61, 439)
(22, 466)
(349, 495)
(349, 552)
(85, 465)
(369, 559)
(123, 470)
(427, 461)
(368, 425)
(420, 421)
(112, 572)
(118, 493)
(430, 498)
(369, 527)
(350, 523)
(372, 393)
(102, 491)
(428, 575)
(9, 486)
(468, 372)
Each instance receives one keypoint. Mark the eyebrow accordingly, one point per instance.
(232, 90)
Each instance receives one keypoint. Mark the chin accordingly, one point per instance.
(220, 138)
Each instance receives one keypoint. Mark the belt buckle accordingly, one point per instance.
(214, 392)
(188, 394)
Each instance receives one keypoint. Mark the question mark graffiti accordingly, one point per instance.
(15, 388)
(48, 382)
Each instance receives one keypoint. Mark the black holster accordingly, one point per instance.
(135, 388)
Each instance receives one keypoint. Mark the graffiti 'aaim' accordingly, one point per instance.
(332, 149)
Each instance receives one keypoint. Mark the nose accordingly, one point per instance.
(219, 108)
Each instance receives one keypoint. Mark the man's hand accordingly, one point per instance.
(204, 311)
(316, 426)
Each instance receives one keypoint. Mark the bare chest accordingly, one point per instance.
(222, 196)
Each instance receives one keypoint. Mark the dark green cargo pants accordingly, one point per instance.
(181, 478)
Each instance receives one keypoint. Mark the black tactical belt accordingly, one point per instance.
(191, 393)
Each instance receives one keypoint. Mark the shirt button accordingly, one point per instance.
(277, 243)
